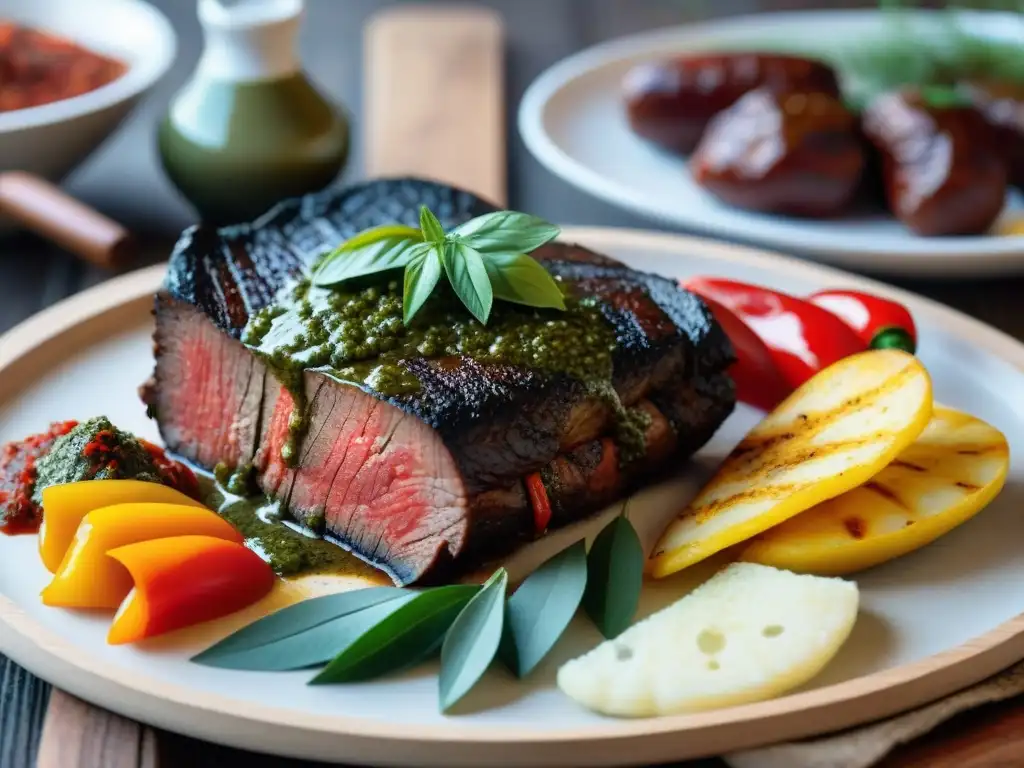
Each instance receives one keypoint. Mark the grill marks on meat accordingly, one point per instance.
(231, 272)
(430, 484)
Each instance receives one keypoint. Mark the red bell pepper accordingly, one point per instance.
(758, 382)
(801, 337)
(880, 323)
(185, 580)
(539, 501)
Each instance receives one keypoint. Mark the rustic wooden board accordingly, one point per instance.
(987, 737)
(78, 734)
(434, 101)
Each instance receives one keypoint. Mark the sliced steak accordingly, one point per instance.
(427, 484)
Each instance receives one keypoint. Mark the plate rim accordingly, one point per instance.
(239, 723)
(936, 257)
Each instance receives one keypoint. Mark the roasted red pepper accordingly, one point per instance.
(185, 580)
(801, 337)
(880, 323)
(758, 381)
(539, 501)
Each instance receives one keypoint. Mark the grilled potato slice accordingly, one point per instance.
(748, 634)
(948, 475)
(833, 434)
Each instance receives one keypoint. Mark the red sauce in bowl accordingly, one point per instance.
(38, 68)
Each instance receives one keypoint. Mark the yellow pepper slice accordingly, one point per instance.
(65, 505)
(88, 578)
(832, 434)
(948, 475)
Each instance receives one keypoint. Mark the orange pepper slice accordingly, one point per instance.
(87, 578)
(183, 581)
(65, 505)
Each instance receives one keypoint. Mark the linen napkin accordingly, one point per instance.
(865, 746)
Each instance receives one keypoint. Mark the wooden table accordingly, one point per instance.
(124, 181)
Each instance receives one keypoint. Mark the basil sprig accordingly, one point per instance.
(483, 259)
(367, 633)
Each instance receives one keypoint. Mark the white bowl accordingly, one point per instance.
(52, 139)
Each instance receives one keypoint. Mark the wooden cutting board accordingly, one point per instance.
(435, 101)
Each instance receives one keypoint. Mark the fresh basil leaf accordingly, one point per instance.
(430, 226)
(368, 237)
(383, 232)
(615, 574)
(519, 278)
(541, 608)
(472, 641)
(402, 639)
(468, 276)
(421, 276)
(377, 256)
(506, 232)
(312, 647)
(295, 620)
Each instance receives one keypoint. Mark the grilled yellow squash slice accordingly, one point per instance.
(748, 634)
(949, 474)
(834, 433)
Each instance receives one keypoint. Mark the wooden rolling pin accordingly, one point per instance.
(47, 210)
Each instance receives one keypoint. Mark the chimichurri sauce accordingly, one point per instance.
(290, 549)
(358, 336)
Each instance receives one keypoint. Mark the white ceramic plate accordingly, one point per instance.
(932, 622)
(571, 118)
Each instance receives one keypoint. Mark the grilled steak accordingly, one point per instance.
(430, 482)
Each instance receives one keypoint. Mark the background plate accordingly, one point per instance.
(572, 119)
(932, 622)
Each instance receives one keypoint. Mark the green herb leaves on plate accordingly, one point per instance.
(483, 259)
(472, 641)
(405, 637)
(313, 646)
(262, 645)
(366, 633)
(541, 608)
(615, 574)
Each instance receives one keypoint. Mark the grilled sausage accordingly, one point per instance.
(799, 154)
(1002, 104)
(942, 171)
(671, 102)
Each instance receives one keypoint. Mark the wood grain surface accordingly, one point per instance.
(987, 737)
(124, 181)
(434, 103)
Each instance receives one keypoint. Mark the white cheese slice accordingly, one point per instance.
(749, 633)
